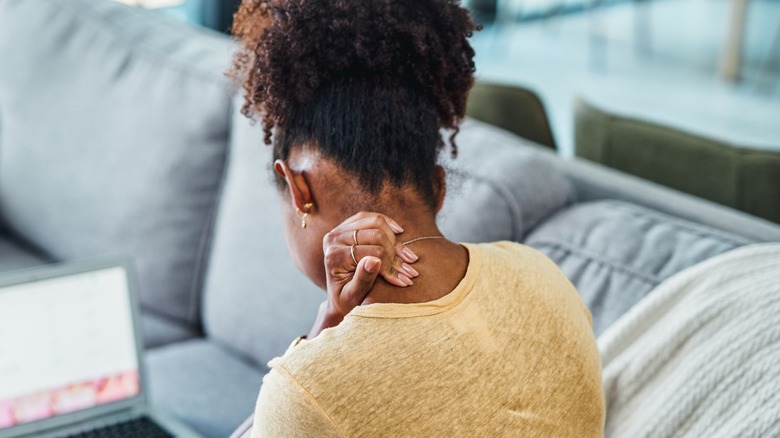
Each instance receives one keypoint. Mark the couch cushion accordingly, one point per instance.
(159, 330)
(15, 255)
(256, 300)
(499, 186)
(615, 252)
(115, 126)
(203, 384)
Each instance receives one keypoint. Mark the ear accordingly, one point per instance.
(439, 186)
(300, 192)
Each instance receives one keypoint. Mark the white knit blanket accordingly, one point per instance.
(700, 355)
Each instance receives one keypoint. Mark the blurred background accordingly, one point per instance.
(708, 67)
(121, 134)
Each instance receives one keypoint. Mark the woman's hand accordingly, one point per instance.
(376, 252)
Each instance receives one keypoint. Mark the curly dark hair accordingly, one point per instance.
(370, 83)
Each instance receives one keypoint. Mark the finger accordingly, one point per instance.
(367, 223)
(340, 267)
(368, 220)
(355, 291)
(371, 236)
(394, 270)
(390, 222)
(360, 220)
(405, 253)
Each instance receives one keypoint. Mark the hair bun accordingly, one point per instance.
(292, 48)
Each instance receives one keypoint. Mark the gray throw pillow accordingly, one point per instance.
(115, 127)
(615, 252)
(499, 186)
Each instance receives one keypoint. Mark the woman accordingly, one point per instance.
(472, 340)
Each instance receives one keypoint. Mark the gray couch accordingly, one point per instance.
(119, 133)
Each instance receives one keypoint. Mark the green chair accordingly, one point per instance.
(512, 108)
(739, 177)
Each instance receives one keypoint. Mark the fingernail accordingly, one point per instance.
(405, 280)
(412, 257)
(410, 270)
(397, 228)
(371, 265)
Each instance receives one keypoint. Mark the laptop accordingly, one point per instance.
(70, 354)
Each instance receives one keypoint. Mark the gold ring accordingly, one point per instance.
(352, 253)
(354, 237)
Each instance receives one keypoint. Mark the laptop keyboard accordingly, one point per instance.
(141, 427)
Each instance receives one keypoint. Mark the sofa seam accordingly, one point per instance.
(579, 252)
(207, 232)
(512, 205)
(151, 55)
(239, 355)
(679, 224)
(171, 320)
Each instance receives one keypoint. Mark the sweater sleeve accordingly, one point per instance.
(286, 409)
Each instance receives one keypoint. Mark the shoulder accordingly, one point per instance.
(506, 249)
(287, 408)
(513, 257)
(313, 380)
(315, 365)
(510, 265)
(541, 304)
(306, 357)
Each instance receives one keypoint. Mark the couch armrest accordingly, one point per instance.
(593, 181)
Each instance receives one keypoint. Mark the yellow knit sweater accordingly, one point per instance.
(509, 352)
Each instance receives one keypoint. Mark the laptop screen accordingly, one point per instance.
(66, 344)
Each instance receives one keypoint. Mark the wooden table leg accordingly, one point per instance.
(731, 58)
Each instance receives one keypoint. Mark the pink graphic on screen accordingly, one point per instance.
(68, 344)
(69, 398)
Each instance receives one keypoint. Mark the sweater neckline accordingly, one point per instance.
(412, 310)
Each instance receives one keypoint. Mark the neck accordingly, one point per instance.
(417, 231)
(403, 205)
(441, 264)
